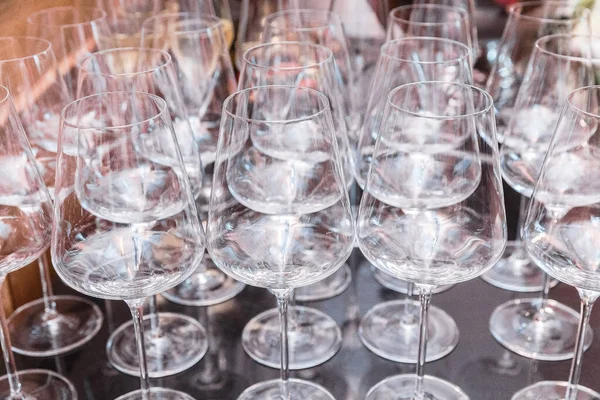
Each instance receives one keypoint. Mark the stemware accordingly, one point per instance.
(389, 329)
(538, 327)
(432, 211)
(74, 32)
(125, 221)
(53, 324)
(174, 342)
(561, 231)
(25, 208)
(527, 22)
(279, 214)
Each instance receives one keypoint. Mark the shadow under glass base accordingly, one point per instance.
(553, 390)
(37, 333)
(329, 287)
(313, 336)
(299, 390)
(402, 387)
(156, 394)
(548, 335)
(389, 333)
(180, 342)
(39, 384)
(398, 285)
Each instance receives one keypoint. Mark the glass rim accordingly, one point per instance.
(474, 89)
(49, 11)
(24, 39)
(271, 18)
(463, 13)
(328, 58)
(325, 101)
(390, 43)
(578, 109)
(76, 103)
(544, 39)
(167, 60)
(4, 94)
(517, 10)
(215, 22)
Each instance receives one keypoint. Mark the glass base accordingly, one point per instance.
(206, 287)
(548, 336)
(156, 394)
(329, 287)
(314, 338)
(554, 390)
(390, 334)
(180, 343)
(36, 333)
(516, 273)
(299, 390)
(398, 285)
(40, 384)
(402, 387)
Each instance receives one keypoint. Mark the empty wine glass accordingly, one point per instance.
(53, 324)
(125, 223)
(25, 212)
(174, 342)
(561, 229)
(279, 213)
(527, 22)
(539, 327)
(74, 32)
(432, 211)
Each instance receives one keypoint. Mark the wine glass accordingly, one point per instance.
(316, 336)
(389, 329)
(125, 221)
(74, 32)
(174, 342)
(25, 212)
(561, 231)
(527, 22)
(432, 212)
(279, 214)
(53, 324)
(539, 327)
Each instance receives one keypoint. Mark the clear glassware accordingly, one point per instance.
(527, 22)
(560, 231)
(174, 342)
(292, 229)
(432, 212)
(25, 209)
(53, 324)
(197, 45)
(538, 327)
(126, 225)
(74, 32)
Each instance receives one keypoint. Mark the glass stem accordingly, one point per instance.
(408, 316)
(153, 312)
(47, 292)
(137, 312)
(283, 299)
(9, 358)
(587, 303)
(425, 294)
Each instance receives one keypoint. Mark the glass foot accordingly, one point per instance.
(391, 334)
(402, 387)
(206, 287)
(553, 390)
(178, 345)
(329, 287)
(314, 338)
(299, 390)
(516, 272)
(547, 335)
(36, 333)
(40, 384)
(398, 285)
(156, 394)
